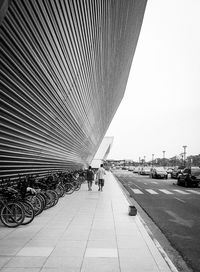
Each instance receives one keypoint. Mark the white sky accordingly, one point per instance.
(161, 107)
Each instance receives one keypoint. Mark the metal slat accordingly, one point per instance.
(64, 66)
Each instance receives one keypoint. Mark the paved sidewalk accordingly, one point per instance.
(88, 231)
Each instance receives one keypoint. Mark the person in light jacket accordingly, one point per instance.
(100, 177)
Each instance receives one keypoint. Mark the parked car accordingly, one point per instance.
(139, 170)
(145, 170)
(131, 168)
(176, 171)
(136, 169)
(190, 177)
(158, 172)
(169, 170)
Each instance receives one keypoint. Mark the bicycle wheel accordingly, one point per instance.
(49, 199)
(35, 202)
(77, 186)
(43, 202)
(12, 214)
(29, 213)
(60, 191)
(69, 188)
(43, 199)
(55, 197)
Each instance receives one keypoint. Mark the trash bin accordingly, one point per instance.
(132, 211)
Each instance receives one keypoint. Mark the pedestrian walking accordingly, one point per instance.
(100, 177)
(89, 177)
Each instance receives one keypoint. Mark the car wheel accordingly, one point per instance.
(178, 181)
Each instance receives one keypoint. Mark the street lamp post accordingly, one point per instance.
(144, 159)
(181, 155)
(184, 154)
(164, 157)
(152, 159)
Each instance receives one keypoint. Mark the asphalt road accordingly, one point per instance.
(174, 209)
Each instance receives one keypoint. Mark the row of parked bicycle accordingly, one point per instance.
(31, 195)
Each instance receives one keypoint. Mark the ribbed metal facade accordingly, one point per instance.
(64, 68)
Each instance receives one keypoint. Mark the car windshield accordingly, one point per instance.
(195, 171)
(187, 170)
(178, 167)
(160, 169)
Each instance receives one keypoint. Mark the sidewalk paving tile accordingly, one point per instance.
(101, 252)
(100, 265)
(67, 262)
(88, 231)
(26, 262)
(67, 251)
(4, 260)
(20, 269)
(35, 251)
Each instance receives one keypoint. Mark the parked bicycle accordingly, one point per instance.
(12, 214)
(30, 195)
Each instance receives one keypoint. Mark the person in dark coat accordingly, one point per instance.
(89, 177)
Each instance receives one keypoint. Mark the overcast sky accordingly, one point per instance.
(161, 107)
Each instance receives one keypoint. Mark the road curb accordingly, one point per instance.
(170, 264)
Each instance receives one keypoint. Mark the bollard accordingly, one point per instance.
(132, 211)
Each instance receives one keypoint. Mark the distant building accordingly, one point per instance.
(102, 152)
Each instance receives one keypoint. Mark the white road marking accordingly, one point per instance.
(180, 199)
(137, 186)
(137, 191)
(193, 191)
(152, 192)
(166, 192)
(154, 182)
(181, 192)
